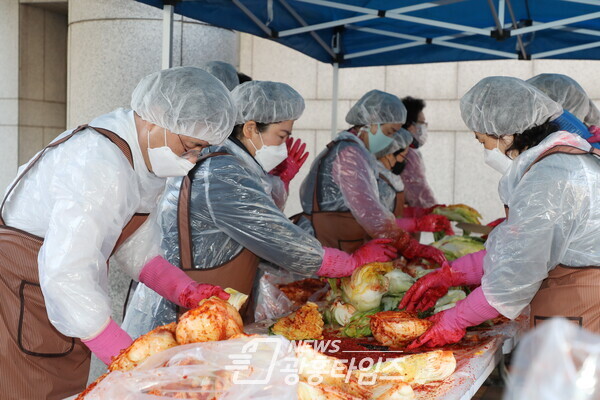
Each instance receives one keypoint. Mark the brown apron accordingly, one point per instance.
(239, 273)
(570, 292)
(399, 205)
(337, 229)
(38, 361)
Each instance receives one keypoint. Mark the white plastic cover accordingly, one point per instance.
(348, 182)
(223, 71)
(554, 219)
(556, 361)
(417, 191)
(79, 197)
(377, 107)
(267, 102)
(207, 370)
(502, 105)
(187, 101)
(568, 93)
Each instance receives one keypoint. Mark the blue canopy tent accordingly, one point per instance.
(361, 33)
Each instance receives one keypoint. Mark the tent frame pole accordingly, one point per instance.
(167, 36)
(334, 96)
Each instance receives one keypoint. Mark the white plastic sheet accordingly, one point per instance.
(204, 371)
(556, 361)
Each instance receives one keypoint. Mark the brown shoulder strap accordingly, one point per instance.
(186, 248)
(563, 149)
(315, 203)
(386, 180)
(113, 137)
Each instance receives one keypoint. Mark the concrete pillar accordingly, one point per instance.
(9, 91)
(112, 45)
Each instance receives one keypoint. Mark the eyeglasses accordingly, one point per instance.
(422, 123)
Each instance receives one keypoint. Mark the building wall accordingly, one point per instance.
(454, 159)
(9, 91)
(42, 78)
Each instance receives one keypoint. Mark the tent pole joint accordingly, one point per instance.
(500, 35)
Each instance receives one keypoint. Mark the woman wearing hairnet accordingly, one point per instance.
(546, 253)
(340, 197)
(390, 164)
(70, 208)
(581, 116)
(232, 219)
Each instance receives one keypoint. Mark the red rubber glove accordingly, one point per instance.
(434, 223)
(109, 342)
(174, 285)
(423, 294)
(289, 167)
(466, 270)
(337, 264)
(450, 326)
(595, 131)
(415, 249)
(416, 212)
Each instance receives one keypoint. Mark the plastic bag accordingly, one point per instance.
(260, 368)
(271, 302)
(147, 310)
(556, 361)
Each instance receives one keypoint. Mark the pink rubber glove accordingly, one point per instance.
(174, 285)
(337, 264)
(427, 223)
(415, 249)
(109, 342)
(288, 169)
(469, 268)
(450, 326)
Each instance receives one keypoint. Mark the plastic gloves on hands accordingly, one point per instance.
(297, 156)
(427, 223)
(109, 342)
(466, 270)
(174, 285)
(337, 264)
(423, 294)
(415, 249)
(450, 326)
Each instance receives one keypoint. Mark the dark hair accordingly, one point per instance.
(413, 107)
(532, 136)
(243, 77)
(238, 130)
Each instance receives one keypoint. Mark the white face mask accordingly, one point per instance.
(421, 133)
(497, 160)
(270, 156)
(165, 163)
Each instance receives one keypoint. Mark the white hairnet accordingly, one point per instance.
(267, 102)
(223, 71)
(566, 92)
(404, 138)
(389, 149)
(187, 101)
(377, 107)
(502, 105)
